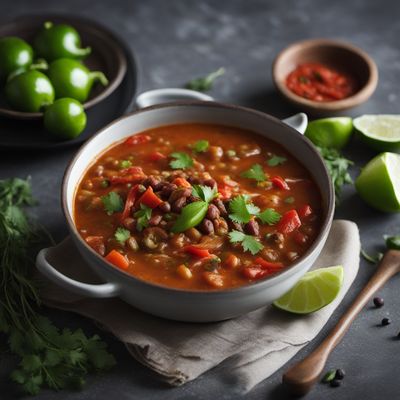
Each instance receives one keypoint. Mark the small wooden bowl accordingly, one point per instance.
(335, 54)
(106, 56)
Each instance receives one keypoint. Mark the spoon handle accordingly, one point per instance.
(300, 378)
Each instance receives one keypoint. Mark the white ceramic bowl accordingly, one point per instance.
(185, 305)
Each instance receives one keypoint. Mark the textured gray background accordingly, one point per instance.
(178, 40)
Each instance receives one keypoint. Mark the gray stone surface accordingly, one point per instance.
(176, 41)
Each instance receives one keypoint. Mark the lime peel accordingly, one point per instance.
(314, 290)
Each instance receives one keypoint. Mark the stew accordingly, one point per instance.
(198, 207)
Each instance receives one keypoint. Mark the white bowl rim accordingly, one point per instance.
(265, 282)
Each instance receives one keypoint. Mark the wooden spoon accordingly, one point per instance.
(301, 377)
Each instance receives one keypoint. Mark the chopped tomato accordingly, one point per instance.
(137, 139)
(130, 201)
(289, 222)
(157, 156)
(117, 259)
(181, 182)
(225, 192)
(255, 272)
(280, 183)
(304, 211)
(268, 264)
(150, 199)
(197, 251)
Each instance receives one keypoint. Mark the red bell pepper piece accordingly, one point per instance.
(129, 202)
(289, 222)
(304, 211)
(255, 272)
(157, 156)
(181, 182)
(150, 199)
(267, 264)
(280, 183)
(137, 139)
(225, 192)
(197, 251)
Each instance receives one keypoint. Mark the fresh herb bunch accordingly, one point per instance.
(338, 168)
(49, 357)
(205, 83)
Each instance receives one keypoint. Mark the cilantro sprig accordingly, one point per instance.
(269, 216)
(204, 192)
(122, 235)
(200, 146)
(255, 172)
(248, 242)
(181, 160)
(112, 203)
(48, 356)
(143, 217)
(205, 83)
(275, 160)
(242, 209)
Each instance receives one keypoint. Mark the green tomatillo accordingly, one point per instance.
(59, 41)
(15, 54)
(29, 91)
(65, 118)
(71, 78)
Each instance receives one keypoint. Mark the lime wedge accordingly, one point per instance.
(330, 132)
(380, 132)
(379, 182)
(313, 291)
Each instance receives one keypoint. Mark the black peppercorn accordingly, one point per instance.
(340, 374)
(385, 321)
(379, 302)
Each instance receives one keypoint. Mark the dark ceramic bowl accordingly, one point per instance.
(106, 56)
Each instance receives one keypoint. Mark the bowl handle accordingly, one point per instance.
(86, 289)
(297, 121)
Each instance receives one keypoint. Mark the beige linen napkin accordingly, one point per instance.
(253, 346)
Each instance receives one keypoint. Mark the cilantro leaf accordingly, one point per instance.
(200, 146)
(143, 217)
(205, 193)
(241, 209)
(123, 164)
(112, 202)
(338, 167)
(122, 235)
(182, 160)
(276, 160)
(269, 216)
(248, 242)
(255, 172)
(205, 83)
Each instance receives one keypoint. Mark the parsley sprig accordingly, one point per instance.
(255, 172)
(242, 209)
(122, 235)
(200, 146)
(276, 160)
(205, 193)
(269, 216)
(181, 160)
(205, 83)
(48, 357)
(143, 217)
(112, 202)
(248, 242)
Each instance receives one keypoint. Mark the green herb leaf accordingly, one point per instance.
(338, 167)
(205, 83)
(143, 217)
(182, 160)
(125, 164)
(255, 172)
(248, 242)
(329, 376)
(200, 146)
(392, 242)
(374, 259)
(191, 215)
(269, 216)
(241, 209)
(122, 235)
(205, 193)
(276, 160)
(112, 202)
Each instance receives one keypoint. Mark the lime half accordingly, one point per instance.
(313, 291)
(380, 132)
(379, 182)
(330, 132)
